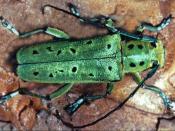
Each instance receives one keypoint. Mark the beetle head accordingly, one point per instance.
(159, 53)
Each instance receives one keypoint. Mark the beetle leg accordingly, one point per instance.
(164, 23)
(8, 96)
(51, 31)
(167, 102)
(108, 23)
(102, 21)
(59, 92)
(73, 107)
(117, 107)
(98, 20)
(157, 90)
(9, 26)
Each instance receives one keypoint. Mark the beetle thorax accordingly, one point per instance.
(139, 56)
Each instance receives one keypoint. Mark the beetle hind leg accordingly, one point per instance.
(48, 30)
(59, 92)
(84, 99)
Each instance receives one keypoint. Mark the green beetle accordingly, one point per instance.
(104, 59)
(101, 59)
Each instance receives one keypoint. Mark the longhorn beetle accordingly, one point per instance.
(102, 59)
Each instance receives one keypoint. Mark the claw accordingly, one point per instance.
(172, 107)
(9, 26)
(8, 96)
(71, 108)
(73, 9)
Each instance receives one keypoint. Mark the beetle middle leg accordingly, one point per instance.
(48, 30)
(103, 21)
(108, 23)
(73, 107)
(117, 107)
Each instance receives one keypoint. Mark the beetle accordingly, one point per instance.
(104, 59)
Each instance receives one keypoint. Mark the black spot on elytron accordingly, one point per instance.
(60, 70)
(50, 75)
(109, 68)
(131, 46)
(141, 63)
(89, 42)
(73, 50)
(59, 52)
(140, 46)
(35, 52)
(132, 65)
(50, 49)
(91, 75)
(109, 46)
(74, 69)
(35, 73)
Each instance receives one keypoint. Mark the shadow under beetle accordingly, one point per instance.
(102, 59)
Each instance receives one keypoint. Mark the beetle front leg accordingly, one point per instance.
(157, 28)
(48, 30)
(167, 102)
(165, 98)
(73, 107)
